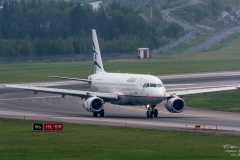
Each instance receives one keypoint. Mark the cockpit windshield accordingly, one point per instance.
(153, 85)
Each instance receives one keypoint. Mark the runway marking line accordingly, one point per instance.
(120, 107)
(9, 99)
(134, 122)
(113, 105)
(27, 114)
(180, 113)
(32, 109)
(109, 120)
(81, 118)
(201, 74)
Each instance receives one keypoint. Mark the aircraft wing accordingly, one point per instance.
(64, 92)
(68, 78)
(198, 91)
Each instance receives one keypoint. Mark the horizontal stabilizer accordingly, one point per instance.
(68, 78)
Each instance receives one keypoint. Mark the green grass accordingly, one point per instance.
(100, 142)
(169, 62)
(29, 72)
(17, 141)
(40, 71)
(224, 42)
(188, 44)
(226, 58)
(225, 101)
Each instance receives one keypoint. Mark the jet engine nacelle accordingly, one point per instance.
(93, 104)
(175, 105)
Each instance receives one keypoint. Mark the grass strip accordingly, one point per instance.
(100, 142)
(37, 72)
(224, 42)
(188, 44)
(169, 62)
(225, 101)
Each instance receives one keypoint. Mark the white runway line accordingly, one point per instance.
(12, 113)
(186, 114)
(165, 124)
(123, 121)
(10, 99)
(202, 74)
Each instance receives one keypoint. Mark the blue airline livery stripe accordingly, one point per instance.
(94, 51)
(95, 63)
(93, 45)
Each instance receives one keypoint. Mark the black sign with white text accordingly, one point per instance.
(37, 127)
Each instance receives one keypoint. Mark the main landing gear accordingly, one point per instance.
(101, 113)
(151, 112)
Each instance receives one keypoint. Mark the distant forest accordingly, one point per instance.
(36, 28)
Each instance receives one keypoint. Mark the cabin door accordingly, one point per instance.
(118, 85)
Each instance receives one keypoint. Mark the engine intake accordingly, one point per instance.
(175, 105)
(93, 104)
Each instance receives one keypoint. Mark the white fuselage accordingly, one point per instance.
(133, 89)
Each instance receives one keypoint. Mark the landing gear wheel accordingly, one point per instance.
(147, 114)
(101, 113)
(155, 113)
(151, 114)
(95, 114)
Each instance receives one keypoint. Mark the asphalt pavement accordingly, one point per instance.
(20, 104)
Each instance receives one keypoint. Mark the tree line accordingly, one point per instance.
(34, 27)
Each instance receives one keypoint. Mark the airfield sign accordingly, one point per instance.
(37, 127)
(53, 126)
(47, 126)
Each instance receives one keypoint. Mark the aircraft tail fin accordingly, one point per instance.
(98, 66)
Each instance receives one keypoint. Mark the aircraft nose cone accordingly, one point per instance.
(162, 92)
(157, 92)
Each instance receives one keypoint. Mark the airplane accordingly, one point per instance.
(122, 89)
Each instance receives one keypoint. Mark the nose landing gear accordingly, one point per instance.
(151, 111)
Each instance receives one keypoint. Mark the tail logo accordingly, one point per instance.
(94, 49)
(95, 53)
(97, 60)
(96, 64)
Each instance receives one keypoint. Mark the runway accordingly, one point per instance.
(15, 103)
